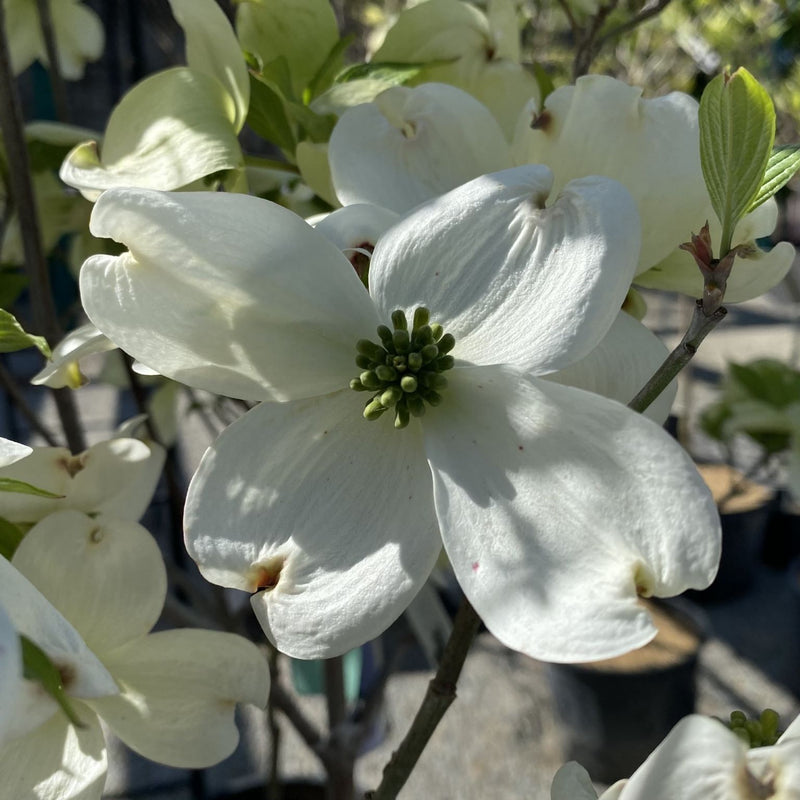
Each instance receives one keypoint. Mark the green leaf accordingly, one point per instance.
(10, 537)
(393, 73)
(267, 114)
(737, 130)
(544, 81)
(314, 126)
(20, 487)
(766, 379)
(302, 31)
(782, 165)
(713, 420)
(13, 337)
(12, 282)
(36, 666)
(276, 74)
(46, 155)
(331, 67)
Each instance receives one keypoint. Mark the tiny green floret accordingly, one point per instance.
(404, 371)
(760, 732)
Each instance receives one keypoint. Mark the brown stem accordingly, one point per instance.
(340, 762)
(649, 10)
(573, 23)
(57, 85)
(18, 398)
(440, 694)
(280, 699)
(699, 327)
(44, 311)
(274, 791)
(587, 48)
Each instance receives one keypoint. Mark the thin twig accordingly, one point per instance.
(179, 613)
(274, 791)
(280, 699)
(440, 694)
(44, 311)
(341, 760)
(573, 23)
(586, 47)
(699, 327)
(15, 393)
(649, 11)
(57, 85)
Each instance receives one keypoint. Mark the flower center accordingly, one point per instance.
(404, 371)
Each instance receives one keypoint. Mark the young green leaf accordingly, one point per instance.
(313, 126)
(781, 167)
(394, 74)
(331, 67)
(544, 81)
(20, 487)
(737, 130)
(37, 666)
(267, 114)
(10, 537)
(12, 282)
(13, 337)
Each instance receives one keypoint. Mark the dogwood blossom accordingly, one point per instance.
(701, 759)
(77, 29)
(177, 125)
(87, 591)
(459, 44)
(620, 364)
(114, 477)
(556, 507)
(409, 145)
(402, 141)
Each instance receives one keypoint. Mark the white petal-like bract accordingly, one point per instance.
(268, 307)
(410, 145)
(558, 508)
(602, 126)
(514, 277)
(327, 517)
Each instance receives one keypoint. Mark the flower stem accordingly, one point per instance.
(16, 395)
(440, 694)
(57, 84)
(44, 312)
(341, 760)
(699, 327)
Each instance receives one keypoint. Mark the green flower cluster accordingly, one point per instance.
(405, 370)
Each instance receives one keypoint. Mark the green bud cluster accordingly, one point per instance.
(761, 732)
(404, 371)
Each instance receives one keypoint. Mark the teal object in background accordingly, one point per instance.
(308, 677)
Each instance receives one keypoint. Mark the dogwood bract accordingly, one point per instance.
(556, 507)
(701, 759)
(87, 591)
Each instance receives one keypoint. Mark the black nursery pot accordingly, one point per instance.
(616, 712)
(782, 540)
(744, 517)
(290, 790)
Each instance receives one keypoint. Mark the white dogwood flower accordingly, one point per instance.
(115, 477)
(178, 125)
(87, 591)
(77, 29)
(557, 507)
(701, 759)
(403, 148)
